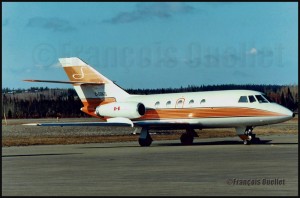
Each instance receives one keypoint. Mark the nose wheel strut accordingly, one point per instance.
(250, 136)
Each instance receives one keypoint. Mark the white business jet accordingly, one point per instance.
(101, 98)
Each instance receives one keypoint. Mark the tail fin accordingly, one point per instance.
(91, 95)
(77, 70)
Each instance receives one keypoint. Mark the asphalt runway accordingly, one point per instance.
(214, 166)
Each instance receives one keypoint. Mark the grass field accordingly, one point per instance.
(15, 134)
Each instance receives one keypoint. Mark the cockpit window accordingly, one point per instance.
(251, 99)
(267, 98)
(243, 99)
(261, 99)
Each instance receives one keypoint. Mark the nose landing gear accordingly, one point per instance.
(248, 137)
(249, 134)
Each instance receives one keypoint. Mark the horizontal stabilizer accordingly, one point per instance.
(66, 82)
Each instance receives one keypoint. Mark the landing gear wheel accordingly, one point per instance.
(186, 139)
(251, 136)
(247, 135)
(145, 138)
(145, 142)
(247, 142)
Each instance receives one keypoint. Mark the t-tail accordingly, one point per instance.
(95, 89)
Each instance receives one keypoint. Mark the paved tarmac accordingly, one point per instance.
(215, 166)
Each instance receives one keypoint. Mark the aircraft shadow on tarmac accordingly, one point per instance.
(39, 155)
(109, 147)
(225, 142)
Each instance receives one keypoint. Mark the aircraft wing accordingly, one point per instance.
(123, 122)
(110, 122)
(61, 124)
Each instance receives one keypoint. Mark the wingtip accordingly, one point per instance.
(31, 124)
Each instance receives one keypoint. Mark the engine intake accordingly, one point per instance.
(129, 110)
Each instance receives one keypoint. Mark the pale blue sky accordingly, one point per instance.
(152, 45)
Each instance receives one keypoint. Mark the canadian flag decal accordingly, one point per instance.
(117, 108)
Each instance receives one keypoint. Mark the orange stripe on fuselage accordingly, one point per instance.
(205, 113)
(183, 113)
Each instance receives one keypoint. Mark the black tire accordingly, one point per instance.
(186, 139)
(145, 142)
(247, 142)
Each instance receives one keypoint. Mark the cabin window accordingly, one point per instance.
(168, 104)
(157, 104)
(191, 102)
(243, 99)
(261, 99)
(251, 99)
(202, 101)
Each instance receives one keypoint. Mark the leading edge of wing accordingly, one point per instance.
(124, 124)
(118, 121)
(80, 124)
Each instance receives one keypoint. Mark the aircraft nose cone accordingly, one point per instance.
(287, 113)
(291, 114)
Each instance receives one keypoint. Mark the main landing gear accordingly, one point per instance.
(249, 136)
(187, 138)
(145, 138)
